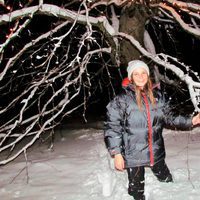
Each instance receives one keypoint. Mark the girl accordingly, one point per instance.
(133, 130)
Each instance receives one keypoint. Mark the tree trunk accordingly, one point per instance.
(132, 22)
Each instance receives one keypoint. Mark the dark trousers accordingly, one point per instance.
(136, 178)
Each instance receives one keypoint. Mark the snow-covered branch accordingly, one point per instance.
(177, 17)
(163, 60)
(184, 5)
(50, 10)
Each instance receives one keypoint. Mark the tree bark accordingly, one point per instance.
(132, 22)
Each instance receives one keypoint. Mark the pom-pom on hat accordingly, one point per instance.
(135, 64)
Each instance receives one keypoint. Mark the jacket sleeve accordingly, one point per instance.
(114, 126)
(174, 119)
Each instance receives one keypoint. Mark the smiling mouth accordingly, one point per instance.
(141, 82)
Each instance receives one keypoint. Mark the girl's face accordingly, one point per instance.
(140, 77)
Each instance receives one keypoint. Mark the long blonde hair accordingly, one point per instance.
(148, 90)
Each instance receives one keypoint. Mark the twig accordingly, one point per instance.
(188, 166)
(27, 176)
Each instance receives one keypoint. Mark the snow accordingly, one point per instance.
(80, 168)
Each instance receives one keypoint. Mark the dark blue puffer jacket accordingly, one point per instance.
(137, 134)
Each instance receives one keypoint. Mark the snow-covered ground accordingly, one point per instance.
(80, 168)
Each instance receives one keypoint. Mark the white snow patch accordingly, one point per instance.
(80, 168)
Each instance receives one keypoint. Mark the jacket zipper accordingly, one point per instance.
(150, 132)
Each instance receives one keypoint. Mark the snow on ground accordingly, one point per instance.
(80, 168)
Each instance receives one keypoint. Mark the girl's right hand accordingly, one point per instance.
(119, 162)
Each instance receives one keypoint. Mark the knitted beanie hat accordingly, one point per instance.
(135, 64)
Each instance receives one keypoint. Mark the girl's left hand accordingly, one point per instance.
(196, 119)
